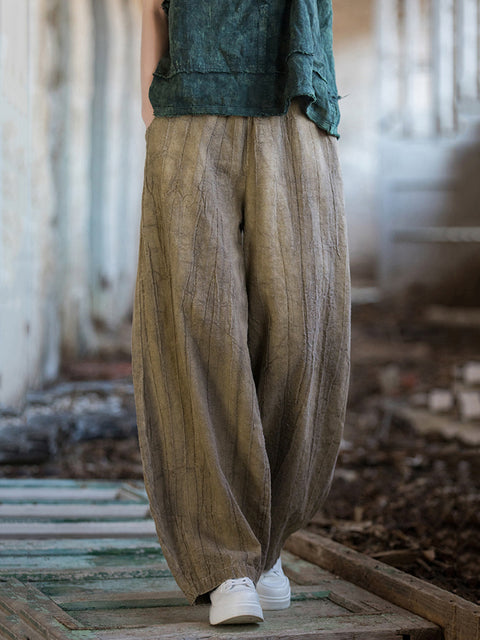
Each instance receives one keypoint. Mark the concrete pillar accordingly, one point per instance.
(134, 157)
(116, 182)
(443, 53)
(45, 334)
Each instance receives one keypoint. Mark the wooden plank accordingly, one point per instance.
(40, 547)
(303, 619)
(54, 561)
(53, 490)
(77, 590)
(109, 511)
(69, 483)
(352, 597)
(67, 575)
(13, 628)
(302, 572)
(167, 594)
(459, 618)
(59, 494)
(113, 529)
(305, 624)
(131, 489)
(33, 615)
(17, 594)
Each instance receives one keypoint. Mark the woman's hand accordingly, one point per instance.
(148, 118)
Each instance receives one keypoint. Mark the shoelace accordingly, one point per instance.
(232, 582)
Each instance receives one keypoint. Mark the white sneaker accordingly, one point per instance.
(235, 601)
(273, 588)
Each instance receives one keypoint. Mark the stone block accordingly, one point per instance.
(469, 404)
(471, 373)
(440, 400)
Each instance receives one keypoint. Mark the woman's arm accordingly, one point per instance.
(154, 46)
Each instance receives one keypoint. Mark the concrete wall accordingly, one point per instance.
(71, 163)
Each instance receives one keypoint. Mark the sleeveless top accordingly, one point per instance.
(248, 57)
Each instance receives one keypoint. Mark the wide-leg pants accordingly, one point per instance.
(240, 338)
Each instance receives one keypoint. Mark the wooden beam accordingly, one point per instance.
(459, 618)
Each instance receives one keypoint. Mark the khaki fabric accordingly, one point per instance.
(240, 337)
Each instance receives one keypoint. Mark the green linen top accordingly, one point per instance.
(248, 57)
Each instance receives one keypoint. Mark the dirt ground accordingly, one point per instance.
(408, 499)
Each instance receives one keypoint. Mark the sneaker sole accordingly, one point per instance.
(272, 603)
(239, 617)
(246, 619)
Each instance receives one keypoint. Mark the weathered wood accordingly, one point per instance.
(303, 572)
(18, 594)
(113, 529)
(353, 598)
(282, 625)
(54, 560)
(109, 511)
(28, 610)
(13, 628)
(66, 575)
(459, 618)
(70, 483)
(117, 585)
(158, 593)
(128, 615)
(75, 590)
(56, 494)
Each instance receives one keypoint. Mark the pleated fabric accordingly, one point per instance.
(240, 337)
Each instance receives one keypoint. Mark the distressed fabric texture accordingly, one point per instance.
(248, 58)
(240, 338)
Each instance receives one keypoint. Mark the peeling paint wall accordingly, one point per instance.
(71, 165)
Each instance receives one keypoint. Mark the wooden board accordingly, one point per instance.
(116, 585)
(458, 618)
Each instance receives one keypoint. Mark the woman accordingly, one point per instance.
(241, 325)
